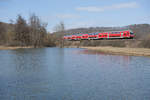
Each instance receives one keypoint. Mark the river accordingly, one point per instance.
(72, 74)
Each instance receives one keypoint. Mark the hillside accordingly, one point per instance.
(22, 32)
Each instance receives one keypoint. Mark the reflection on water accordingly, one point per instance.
(72, 74)
(124, 60)
(28, 60)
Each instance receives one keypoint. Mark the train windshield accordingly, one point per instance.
(131, 33)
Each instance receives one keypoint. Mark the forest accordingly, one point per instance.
(21, 33)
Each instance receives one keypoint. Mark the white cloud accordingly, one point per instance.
(90, 9)
(82, 24)
(125, 5)
(112, 7)
(66, 16)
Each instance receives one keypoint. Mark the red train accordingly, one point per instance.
(101, 35)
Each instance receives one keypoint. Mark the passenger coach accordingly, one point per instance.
(101, 35)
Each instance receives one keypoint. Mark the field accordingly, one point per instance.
(122, 51)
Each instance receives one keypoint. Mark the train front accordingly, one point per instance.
(132, 35)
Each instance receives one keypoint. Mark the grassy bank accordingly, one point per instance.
(13, 48)
(122, 51)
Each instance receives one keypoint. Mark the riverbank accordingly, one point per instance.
(13, 48)
(122, 51)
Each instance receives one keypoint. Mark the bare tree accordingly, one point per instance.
(37, 31)
(21, 31)
(60, 27)
(60, 30)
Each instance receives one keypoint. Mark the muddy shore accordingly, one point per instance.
(13, 48)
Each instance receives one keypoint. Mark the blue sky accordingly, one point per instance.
(79, 13)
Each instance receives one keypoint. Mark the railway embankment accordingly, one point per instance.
(132, 43)
(121, 51)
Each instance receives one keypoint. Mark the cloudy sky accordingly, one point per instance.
(79, 13)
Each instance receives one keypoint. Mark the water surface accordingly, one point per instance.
(72, 74)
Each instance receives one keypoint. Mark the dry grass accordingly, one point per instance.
(13, 48)
(122, 51)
